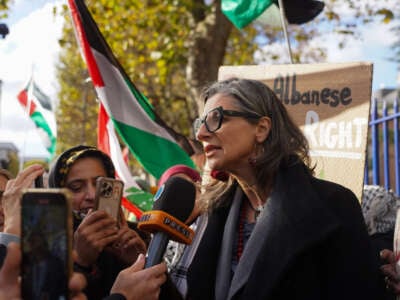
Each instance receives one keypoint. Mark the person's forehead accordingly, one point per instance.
(86, 168)
(226, 101)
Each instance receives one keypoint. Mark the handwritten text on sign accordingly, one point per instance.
(330, 102)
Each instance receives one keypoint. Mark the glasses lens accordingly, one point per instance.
(196, 125)
(213, 120)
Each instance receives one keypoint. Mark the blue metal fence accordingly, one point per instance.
(382, 161)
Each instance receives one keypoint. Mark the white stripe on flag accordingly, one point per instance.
(117, 158)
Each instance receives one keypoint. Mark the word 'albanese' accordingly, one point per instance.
(334, 135)
(286, 91)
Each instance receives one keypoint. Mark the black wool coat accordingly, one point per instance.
(310, 243)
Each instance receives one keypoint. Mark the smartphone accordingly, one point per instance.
(108, 196)
(46, 240)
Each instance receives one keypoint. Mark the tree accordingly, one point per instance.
(77, 109)
(5, 7)
(171, 49)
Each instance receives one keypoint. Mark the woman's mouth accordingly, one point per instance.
(83, 211)
(210, 149)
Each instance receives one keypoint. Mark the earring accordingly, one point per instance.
(252, 161)
(259, 150)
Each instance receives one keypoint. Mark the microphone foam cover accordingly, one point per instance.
(176, 197)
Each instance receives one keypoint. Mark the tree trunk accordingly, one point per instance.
(207, 47)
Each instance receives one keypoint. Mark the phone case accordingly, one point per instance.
(109, 192)
(46, 243)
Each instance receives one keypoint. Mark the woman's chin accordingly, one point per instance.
(214, 166)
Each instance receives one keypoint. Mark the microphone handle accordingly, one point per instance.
(157, 247)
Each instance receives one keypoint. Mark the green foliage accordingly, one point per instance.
(387, 15)
(13, 165)
(5, 7)
(77, 109)
(36, 161)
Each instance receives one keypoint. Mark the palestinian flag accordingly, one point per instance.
(38, 106)
(152, 142)
(243, 12)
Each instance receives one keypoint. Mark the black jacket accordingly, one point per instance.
(310, 243)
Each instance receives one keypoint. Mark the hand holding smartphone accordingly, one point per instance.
(46, 234)
(108, 195)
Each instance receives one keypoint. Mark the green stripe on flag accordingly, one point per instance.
(140, 198)
(42, 124)
(146, 148)
(243, 12)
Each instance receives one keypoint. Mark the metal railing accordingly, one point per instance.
(382, 165)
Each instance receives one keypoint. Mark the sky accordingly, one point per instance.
(32, 45)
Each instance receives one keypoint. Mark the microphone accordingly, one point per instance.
(173, 204)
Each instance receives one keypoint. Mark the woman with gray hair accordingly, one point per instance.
(274, 231)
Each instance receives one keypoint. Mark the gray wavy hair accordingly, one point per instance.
(286, 142)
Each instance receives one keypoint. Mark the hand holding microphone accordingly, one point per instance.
(173, 203)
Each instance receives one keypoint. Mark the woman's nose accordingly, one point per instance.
(202, 132)
(90, 191)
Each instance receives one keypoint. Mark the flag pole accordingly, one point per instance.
(284, 26)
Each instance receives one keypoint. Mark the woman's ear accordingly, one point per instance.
(263, 129)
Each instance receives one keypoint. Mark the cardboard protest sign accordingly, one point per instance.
(331, 103)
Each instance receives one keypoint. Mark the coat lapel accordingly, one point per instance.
(293, 219)
(223, 277)
(201, 275)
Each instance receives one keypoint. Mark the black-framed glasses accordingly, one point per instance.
(213, 119)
